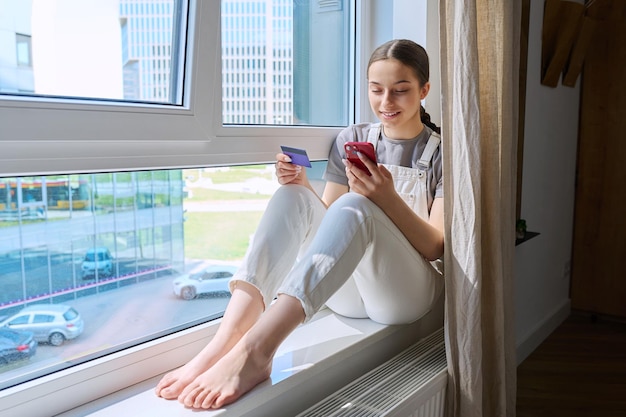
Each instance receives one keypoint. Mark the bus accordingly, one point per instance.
(38, 194)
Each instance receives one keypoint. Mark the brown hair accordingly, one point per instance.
(413, 56)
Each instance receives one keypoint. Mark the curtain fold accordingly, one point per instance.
(479, 79)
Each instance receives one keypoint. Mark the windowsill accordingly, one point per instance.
(316, 360)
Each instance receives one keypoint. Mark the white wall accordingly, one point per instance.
(550, 142)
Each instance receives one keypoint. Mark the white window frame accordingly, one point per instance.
(100, 136)
(69, 137)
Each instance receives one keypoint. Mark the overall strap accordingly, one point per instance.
(429, 150)
(424, 162)
(374, 134)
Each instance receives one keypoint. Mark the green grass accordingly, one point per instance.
(232, 174)
(205, 194)
(223, 236)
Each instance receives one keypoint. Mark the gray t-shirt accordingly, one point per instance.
(405, 152)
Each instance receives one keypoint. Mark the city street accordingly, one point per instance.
(120, 317)
(115, 318)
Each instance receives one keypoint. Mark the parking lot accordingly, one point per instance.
(119, 318)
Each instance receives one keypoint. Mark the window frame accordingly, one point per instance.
(104, 138)
(47, 147)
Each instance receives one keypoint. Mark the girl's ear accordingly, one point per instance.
(424, 90)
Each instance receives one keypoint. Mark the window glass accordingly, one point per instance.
(114, 246)
(19, 320)
(43, 318)
(23, 49)
(105, 49)
(285, 62)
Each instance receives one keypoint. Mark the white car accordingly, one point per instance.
(97, 261)
(50, 323)
(210, 279)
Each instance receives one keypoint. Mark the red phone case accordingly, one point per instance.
(365, 148)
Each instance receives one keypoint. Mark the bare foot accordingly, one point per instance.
(244, 309)
(173, 383)
(235, 374)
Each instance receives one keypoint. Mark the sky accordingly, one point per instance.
(77, 48)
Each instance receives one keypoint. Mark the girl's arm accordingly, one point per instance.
(426, 236)
(332, 191)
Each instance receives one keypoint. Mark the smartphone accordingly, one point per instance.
(366, 148)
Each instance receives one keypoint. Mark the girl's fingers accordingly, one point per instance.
(282, 157)
(286, 172)
(371, 165)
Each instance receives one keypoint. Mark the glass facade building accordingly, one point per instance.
(147, 30)
(257, 62)
(49, 224)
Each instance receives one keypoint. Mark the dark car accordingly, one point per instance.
(16, 345)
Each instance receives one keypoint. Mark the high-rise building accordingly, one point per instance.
(16, 57)
(257, 57)
(147, 42)
(257, 62)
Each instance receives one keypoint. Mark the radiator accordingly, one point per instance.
(411, 384)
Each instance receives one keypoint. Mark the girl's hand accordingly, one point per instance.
(378, 187)
(288, 173)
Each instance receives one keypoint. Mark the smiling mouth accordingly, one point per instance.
(389, 114)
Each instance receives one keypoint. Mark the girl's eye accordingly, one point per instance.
(401, 91)
(375, 91)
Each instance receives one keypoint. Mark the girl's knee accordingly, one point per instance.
(293, 192)
(355, 202)
(352, 200)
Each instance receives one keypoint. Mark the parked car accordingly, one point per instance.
(16, 345)
(49, 323)
(97, 259)
(209, 279)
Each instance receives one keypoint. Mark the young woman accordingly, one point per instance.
(364, 249)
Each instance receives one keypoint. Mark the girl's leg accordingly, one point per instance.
(287, 228)
(290, 221)
(249, 362)
(392, 283)
(330, 260)
(242, 311)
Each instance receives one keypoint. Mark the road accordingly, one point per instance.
(119, 317)
(112, 321)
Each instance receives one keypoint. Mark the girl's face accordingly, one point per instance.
(395, 96)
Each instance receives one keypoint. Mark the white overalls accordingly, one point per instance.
(350, 257)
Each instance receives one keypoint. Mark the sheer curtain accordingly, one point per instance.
(479, 79)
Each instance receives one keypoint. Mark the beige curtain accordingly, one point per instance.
(479, 79)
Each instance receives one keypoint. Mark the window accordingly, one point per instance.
(110, 49)
(305, 46)
(23, 48)
(43, 318)
(101, 187)
(20, 320)
(124, 175)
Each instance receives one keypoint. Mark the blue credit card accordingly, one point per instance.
(298, 156)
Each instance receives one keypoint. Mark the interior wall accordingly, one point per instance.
(542, 272)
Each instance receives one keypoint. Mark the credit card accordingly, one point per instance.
(298, 156)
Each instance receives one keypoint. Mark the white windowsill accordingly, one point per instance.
(316, 360)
